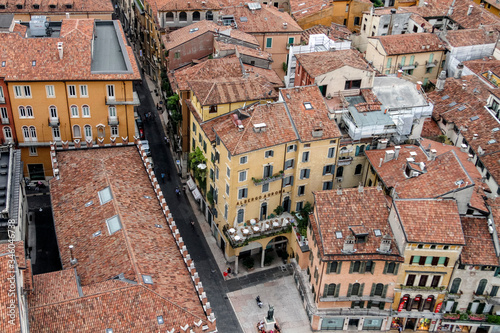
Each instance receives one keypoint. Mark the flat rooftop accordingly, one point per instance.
(367, 118)
(109, 53)
(396, 93)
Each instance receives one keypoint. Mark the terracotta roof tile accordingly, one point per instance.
(318, 63)
(180, 36)
(178, 5)
(304, 8)
(53, 287)
(76, 35)
(336, 32)
(466, 37)
(255, 53)
(266, 19)
(410, 43)
(351, 210)
(78, 6)
(479, 248)
(430, 221)
(307, 121)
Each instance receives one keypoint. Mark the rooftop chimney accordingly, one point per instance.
(389, 155)
(440, 81)
(463, 148)
(458, 73)
(360, 188)
(419, 85)
(349, 245)
(60, 49)
(469, 11)
(72, 259)
(385, 244)
(67, 15)
(382, 144)
(400, 73)
(396, 152)
(285, 25)
(433, 154)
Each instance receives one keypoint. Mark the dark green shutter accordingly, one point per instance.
(337, 290)
(352, 305)
(325, 290)
(411, 260)
(384, 292)
(362, 267)
(385, 267)
(369, 305)
(396, 269)
(372, 292)
(373, 267)
(381, 305)
(361, 304)
(469, 306)
(339, 265)
(480, 308)
(446, 261)
(361, 289)
(352, 266)
(454, 307)
(349, 290)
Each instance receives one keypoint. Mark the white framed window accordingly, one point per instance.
(110, 89)
(26, 133)
(18, 91)
(265, 188)
(269, 153)
(27, 91)
(242, 193)
(2, 96)
(114, 224)
(88, 132)
(305, 156)
(22, 111)
(33, 133)
(331, 152)
(74, 111)
(291, 148)
(114, 131)
(227, 188)
(112, 111)
(228, 172)
(226, 208)
(51, 93)
(242, 176)
(53, 111)
(85, 111)
(84, 91)
(105, 195)
(7, 133)
(241, 215)
(71, 91)
(33, 151)
(29, 112)
(289, 164)
(243, 160)
(77, 132)
(56, 133)
(3, 112)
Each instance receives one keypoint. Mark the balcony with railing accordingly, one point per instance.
(53, 121)
(114, 101)
(5, 121)
(113, 120)
(270, 179)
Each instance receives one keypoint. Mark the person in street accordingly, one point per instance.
(229, 270)
(162, 177)
(192, 224)
(225, 275)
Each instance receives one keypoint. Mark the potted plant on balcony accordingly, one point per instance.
(477, 317)
(451, 316)
(248, 262)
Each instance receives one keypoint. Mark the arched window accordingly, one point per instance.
(263, 211)
(379, 289)
(53, 111)
(241, 215)
(358, 169)
(85, 111)
(209, 16)
(330, 289)
(169, 17)
(33, 133)
(182, 17)
(340, 171)
(7, 133)
(26, 132)
(29, 111)
(196, 16)
(22, 111)
(88, 132)
(355, 289)
(77, 133)
(455, 285)
(481, 286)
(74, 111)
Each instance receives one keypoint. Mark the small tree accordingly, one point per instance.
(196, 158)
(172, 102)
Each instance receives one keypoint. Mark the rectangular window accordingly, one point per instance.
(225, 211)
(291, 40)
(265, 188)
(5, 116)
(301, 190)
(18, 92)
(22, 91)
(71, 91)
(27, 91)
(105, 195)
(328, 169)
(33, 151)
(305, 156)
(289, 164)
(268, 171)
(389, 62)
(84, 91)
(194, 128)
(242, 193)
(114, 131)
(299, 206)
(111, 91)
(112, 111)
(50, 91)
(177, 55)
(228, 155)
(415, 260)
(228, 172)
(331, 152)
(327, 185)
(56, 133)
(304, 173)
(291, 148)
(2, 96)
(269, 42)
(242, 176)
(243, 160)
(269, 153)
(288, 181)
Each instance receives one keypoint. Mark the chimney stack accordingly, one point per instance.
(419, 85)
(460, 68)
(360, 188)
(389, 155)
(72, 259)
(433, 154)
(396, 152)
(349, 245)
(400, 73)
(60, 49)
(440, 81)
(469, 11)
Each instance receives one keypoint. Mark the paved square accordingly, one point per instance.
(280, 293)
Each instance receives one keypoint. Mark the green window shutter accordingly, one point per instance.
(325, 290)
(339, 265)
(349, 290)
(428, 260)
(362, 267)
(389, 62)
(369, 304)
(337, 289)
(352, 266)
(328, 267)
(381, 305)
(385, 267)
(384, 292)
(480, 308)
(454, 307)
(361, 304)
(469, 306)
(372, 292)
(396, 269)
(361, 289)
(373, 267)
(352, 305)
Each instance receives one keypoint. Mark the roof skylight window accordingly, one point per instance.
(308, 106)
(114, 224)
(160, 320)
(105, 195)
(474, 118)
(338, 234)
(377, 232)
(147, 279)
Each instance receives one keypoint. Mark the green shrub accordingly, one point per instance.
(248, 262)
(268, 259)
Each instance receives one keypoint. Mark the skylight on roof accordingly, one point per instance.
(474, 118)
(97, 233)
(109, 330)
(308, 106)
(452, 104)
(496, 129)
(105, 195)
(147, 279)
(3, 63)
(90, 203)
(193, 30)
(338, 234)
(461, 107)
(243, 19)
(114, 224)
(492, 141)
(33, 63)
(160, 320)
(445, 97)
(377, 232)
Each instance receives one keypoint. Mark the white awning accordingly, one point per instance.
(197, 194)
(191, 184)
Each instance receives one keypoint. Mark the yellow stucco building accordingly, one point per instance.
(71, 94)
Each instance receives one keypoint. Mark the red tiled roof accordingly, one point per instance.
(466, 37)
(318, 63)
(180, 5)
(78, 6)
(479, 248)
(335, 32)
(139, 248)
(334, 212)
(76, 35)
(480, 67)
(304, 8)
(53, 287)
(308, 121)
(430, 221)
(278, 129)
(410, 43)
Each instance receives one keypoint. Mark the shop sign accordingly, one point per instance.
(438, 307)
(402, 304)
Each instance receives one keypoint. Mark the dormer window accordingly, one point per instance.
(52, 6)
(69, 6)
(19, 6)
(2, 6)
(36, 6)
(361, 239)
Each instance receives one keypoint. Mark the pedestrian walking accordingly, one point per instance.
(225, 275)
(192, 225)
(162, 177)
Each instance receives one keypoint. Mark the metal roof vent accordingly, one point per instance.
(4, 165)
(147, 279)
(3, 172)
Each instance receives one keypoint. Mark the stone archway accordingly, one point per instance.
(250, 249)
(279, 242)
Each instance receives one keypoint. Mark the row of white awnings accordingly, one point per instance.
(194, 190)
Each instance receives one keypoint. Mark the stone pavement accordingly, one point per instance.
(282, 295)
